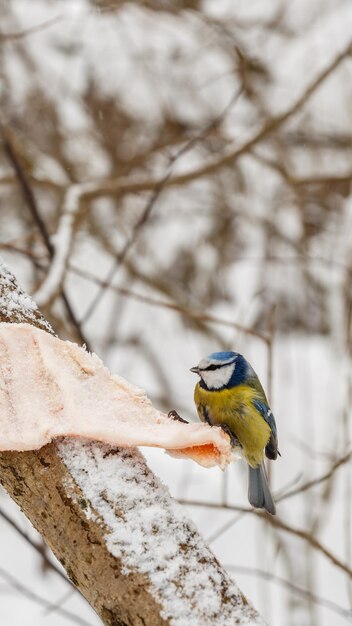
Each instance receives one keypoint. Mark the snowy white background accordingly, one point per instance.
(282, 244)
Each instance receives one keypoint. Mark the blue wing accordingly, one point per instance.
(271, 448)
(267, 413)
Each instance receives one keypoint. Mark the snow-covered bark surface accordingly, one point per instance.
(51, 388)
(148, 532)
(15, 304)
(115, 528)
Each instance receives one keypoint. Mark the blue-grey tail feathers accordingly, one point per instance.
(258, 490)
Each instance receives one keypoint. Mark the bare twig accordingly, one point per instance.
(25, 187)
(220, 531)
(36, 547)
(148, 300)
(294, 181)
(21, 34)
(128, 244)
(317, 481)
(28, 593)
(187, 312)
(309, 538)
(117, 187)
(286, 584)
(278, 523)
(158, 188)
(33, 207)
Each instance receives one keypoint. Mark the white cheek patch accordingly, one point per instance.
(215, 379)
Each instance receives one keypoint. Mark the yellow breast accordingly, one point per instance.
(234, 407)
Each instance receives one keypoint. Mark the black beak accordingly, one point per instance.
(195, 370)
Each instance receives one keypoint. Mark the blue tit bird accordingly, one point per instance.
(229, 394)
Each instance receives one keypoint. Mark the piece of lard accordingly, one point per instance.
(51, 388)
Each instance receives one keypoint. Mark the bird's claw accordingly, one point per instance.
(175, 416)
(233, 439)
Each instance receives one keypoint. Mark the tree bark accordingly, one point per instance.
(121, 538)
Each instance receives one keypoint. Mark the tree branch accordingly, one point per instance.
(123, 541)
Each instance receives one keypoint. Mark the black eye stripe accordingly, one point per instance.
(216, 367)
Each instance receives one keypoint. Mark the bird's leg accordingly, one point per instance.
(175, 416)
(234, 441)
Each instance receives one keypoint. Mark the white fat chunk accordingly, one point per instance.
(51, 388)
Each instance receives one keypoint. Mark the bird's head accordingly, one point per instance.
(221, 370)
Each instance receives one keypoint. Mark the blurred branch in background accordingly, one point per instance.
(291, 587)
(34, 597)
(38, 547)
(159, 186)
(29, 31)
(32, 205)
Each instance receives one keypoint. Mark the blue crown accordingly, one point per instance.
(239, 374)
(222, 356)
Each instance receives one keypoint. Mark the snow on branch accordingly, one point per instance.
(123, 541)
(149, 532)
(15, 305)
